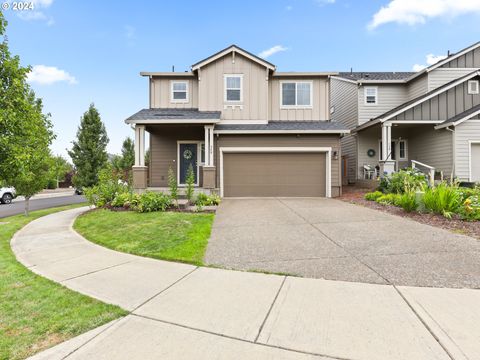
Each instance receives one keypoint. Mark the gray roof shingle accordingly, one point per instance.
(373, 76)
(173, 114)
(286, 125)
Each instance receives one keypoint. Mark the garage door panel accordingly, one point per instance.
(274, 174)
(475, 162)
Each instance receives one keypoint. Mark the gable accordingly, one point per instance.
(470, 59)
(444, 105)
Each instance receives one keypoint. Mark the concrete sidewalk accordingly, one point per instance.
(179, 311)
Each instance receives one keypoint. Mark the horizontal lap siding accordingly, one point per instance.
(163, 150)
(343, 97)
(160, 93)
(469, 130)
(389, 96)
(293, 140)
(417, 87)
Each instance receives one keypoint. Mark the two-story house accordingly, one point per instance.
(245, 129)
(428, 118)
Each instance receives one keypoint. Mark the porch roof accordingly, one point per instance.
(173, 116)
(283, 127)
(458, 119)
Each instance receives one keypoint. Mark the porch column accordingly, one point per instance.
(139, 170)
(209, 168)
(387, 165)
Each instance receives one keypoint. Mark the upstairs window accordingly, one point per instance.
(473, 87)
(371, 95)
(179, 91)
(296, 94)
(233, 88)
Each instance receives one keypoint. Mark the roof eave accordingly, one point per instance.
(171, 121)
(281, 131)
(167, 74)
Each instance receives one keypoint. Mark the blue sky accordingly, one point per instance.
(92, 51)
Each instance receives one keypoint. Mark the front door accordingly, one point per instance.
(188, 156)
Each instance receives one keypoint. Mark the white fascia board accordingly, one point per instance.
(229, 50)
(173, 121)
(343, 79)
(450, 58)
(458, 122)
(281, 131)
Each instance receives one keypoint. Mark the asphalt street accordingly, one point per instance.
(18, 206)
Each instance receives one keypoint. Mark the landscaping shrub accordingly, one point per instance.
(470, 209)
(190, 182)
(372, 196)
(406, 180)
(443, 199)
(172, 185)
(388, 199)
(407, 201)
(108, 187)
(122, 200)
(151, 201)
(207, 200)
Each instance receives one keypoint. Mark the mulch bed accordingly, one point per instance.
(355, 196)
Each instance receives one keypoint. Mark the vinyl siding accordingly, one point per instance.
(443, 106)
(441, 76)
(468, 60)
(160, 89)
(432, 147)
(389, 96)
(343, 97)
(320, 101)
(468, 130)
(255, 88)
(287, 141)
(417, 87)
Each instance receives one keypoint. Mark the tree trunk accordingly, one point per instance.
(27, 205)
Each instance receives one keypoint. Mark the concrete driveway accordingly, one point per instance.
(331, 239)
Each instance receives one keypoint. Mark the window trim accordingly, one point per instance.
(178, 101)
(405, 158)
(470, 91)
(296, 106)
(225, 76)
(365, 95)
(397, 149)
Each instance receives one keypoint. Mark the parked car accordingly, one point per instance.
(7, 194)
(79, 191)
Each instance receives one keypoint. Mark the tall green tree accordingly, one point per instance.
(59, 167)
(125, 161)
(89, 154)
(25, 132)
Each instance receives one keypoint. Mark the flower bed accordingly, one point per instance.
(409, 190)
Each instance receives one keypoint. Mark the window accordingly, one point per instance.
(402, 149)
(370, 95)
(296, 94)
(179, 91)
(202, 153)
(233, 88)
(473, 87)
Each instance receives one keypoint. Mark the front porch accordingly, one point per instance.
(391, 146)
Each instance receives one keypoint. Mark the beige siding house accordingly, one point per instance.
(429, 119)
(242, 127)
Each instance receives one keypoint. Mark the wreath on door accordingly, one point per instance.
(187, 154)
(371, 153)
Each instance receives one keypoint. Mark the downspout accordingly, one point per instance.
(453, 152)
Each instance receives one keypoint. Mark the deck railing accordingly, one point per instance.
(431, 170)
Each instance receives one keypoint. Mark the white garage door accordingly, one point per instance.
(475, 162)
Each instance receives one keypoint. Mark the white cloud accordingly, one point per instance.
(413, 12)
(130, 34)
(37, 13)
(430, 59)
(47, 75)
(273, 50)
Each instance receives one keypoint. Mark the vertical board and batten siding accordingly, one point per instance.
(163, 149)
(443, 106)
(441, 76)
(432, 147)
(255, 88)
(469, 60)
(417, 87)
(389, 96)
(343, 97)
(464, 132)
(160, 93)
(320, 102)
(332, 141)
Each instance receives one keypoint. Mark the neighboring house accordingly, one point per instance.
(246, 129)
(431, 117)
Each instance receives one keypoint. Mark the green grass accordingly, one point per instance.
(36, 313)
(160, 235)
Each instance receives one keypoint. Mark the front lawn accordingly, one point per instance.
(36, 313)
(161, 235)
